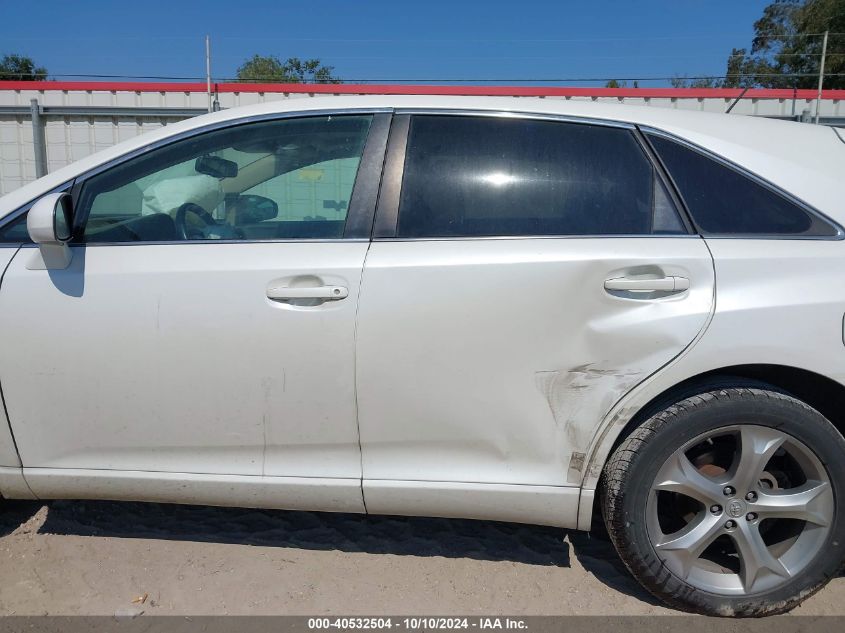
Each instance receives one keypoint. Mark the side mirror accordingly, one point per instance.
(49, 223)
(252, 209)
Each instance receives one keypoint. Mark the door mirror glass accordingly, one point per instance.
(251, 209)
(62, 219)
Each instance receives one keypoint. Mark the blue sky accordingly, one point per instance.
(385, 40)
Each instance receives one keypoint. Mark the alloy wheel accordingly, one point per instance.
(740, 510)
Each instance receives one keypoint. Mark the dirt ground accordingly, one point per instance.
(98, 557)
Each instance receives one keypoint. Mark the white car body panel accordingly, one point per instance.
(522, 345)
(203, 375)
(540, 505)
(492, 376)
(775, 305)
(247, 491)
(13, 485)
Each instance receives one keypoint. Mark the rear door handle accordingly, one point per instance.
(660, 284)
(291, 293)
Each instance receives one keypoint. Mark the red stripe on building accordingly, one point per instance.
(397, 89)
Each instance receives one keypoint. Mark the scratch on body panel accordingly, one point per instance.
(578, 398)
(619, 420)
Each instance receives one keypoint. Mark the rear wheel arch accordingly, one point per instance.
(747, 524)
(820, 392)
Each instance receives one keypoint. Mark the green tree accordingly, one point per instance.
(270, 69)
(614, 83)
(682, 81)
(786, 49)
(19, 68)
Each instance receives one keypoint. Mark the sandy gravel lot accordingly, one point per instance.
(97, 557)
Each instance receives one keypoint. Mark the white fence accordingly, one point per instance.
(73, 120)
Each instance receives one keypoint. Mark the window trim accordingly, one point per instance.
(663, 175)
(387, 212)
(364, 205)
(362, 202)
(516, 114)
(646, 130)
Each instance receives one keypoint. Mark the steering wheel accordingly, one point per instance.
(180, 218)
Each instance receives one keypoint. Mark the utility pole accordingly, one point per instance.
(821, 78)
(39, 142)
(208, 71)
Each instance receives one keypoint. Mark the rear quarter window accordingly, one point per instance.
(723, 201)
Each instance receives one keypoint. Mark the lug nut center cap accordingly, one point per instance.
(735, 508)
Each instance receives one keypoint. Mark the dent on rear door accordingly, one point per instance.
(494, 361)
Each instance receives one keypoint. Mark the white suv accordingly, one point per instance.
(511, 309)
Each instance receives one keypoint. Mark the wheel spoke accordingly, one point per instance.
(757, 446)
(812, 502)
(682, 548)
(680, 476)
(756, 561)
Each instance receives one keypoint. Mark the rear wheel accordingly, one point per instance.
(729, 502)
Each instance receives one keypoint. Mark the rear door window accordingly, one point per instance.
(495, 176)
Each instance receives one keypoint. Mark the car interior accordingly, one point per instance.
(307, 177)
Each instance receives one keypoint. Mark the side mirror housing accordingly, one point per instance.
(49, 223)
(252, 209)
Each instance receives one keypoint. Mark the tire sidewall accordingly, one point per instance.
(700, 415)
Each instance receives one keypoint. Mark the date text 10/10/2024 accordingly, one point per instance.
(417, 623)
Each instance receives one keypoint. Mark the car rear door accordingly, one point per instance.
(524, 275)
(224, 348)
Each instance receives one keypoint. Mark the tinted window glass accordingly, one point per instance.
(282, 179)
(724, 201)
(15, 231)
(476, 176)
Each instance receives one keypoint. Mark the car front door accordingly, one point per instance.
(524, 275)
(205, 325)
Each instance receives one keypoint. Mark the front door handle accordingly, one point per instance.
(659, 284)
(292, 293)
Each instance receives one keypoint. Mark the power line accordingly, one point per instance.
(525, 41)
(527, 57)
(438, 41)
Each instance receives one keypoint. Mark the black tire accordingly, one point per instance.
(629, 474)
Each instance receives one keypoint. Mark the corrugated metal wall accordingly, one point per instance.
(73, 131)
(68, 138)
